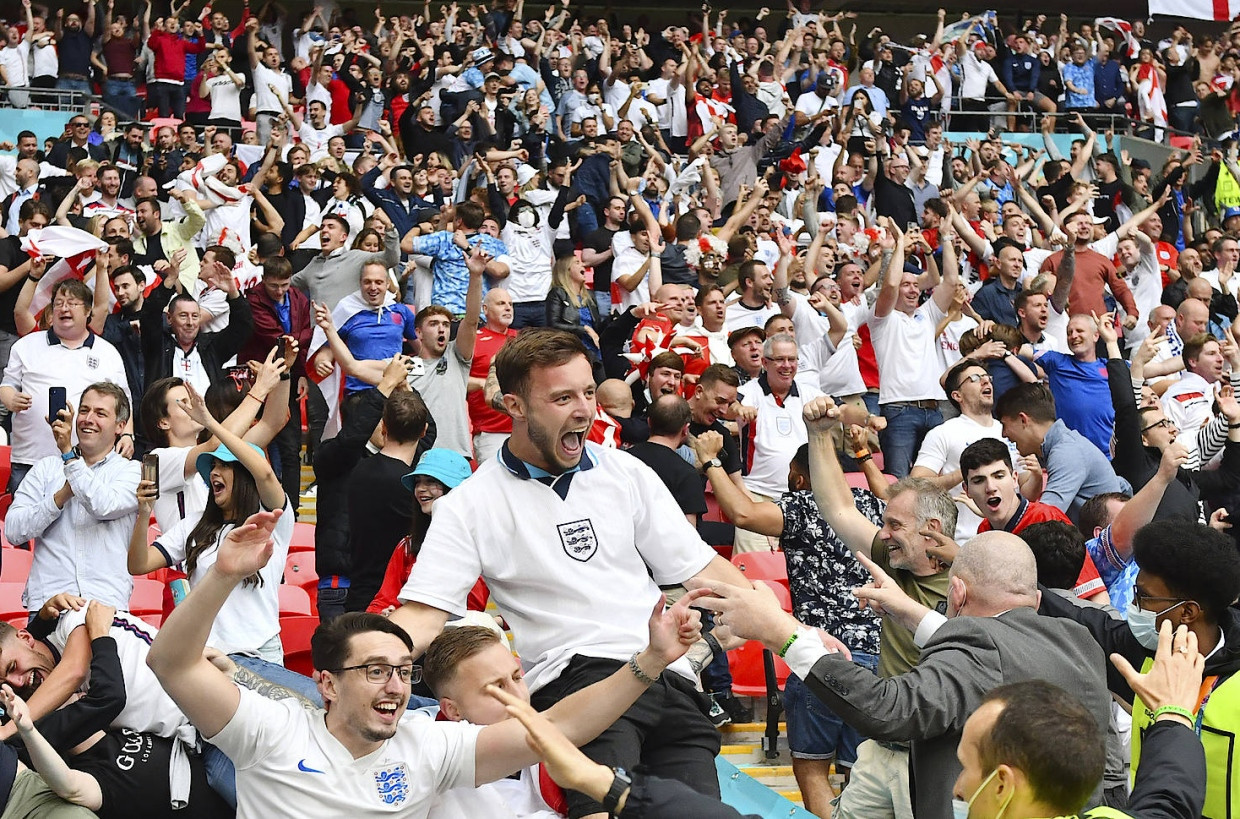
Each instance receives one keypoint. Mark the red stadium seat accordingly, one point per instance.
(147, 597)
(858, 480)
(6, 500)
(299, 570)
(295, 633)
(12, 610)
(155, 620)
(763, 566)
(303, 538)
(15, 565)
(6, 466)
(294, 601)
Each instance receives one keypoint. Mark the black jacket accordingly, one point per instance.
(562, 314)
(158, 344)
(1137, 463)
(333, 463)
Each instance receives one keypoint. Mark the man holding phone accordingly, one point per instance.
(79, 505)
(66, 355)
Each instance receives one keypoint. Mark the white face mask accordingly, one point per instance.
(526, 218)
(960, 809)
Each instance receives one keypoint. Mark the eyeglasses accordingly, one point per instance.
(62, 303)
(974, 378)
(1165, 423)
(380, 673)
(1139, 598)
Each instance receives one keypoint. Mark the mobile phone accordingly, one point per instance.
(150, 470)
(57, 400)
(912, 227)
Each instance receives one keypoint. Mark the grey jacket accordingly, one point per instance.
(966, 658)
(328, 279)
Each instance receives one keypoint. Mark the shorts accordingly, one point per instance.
(814, 730)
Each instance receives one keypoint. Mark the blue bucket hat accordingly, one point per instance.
(444, 465)
(221, 453)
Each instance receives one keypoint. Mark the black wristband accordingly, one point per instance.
(619, 786)
(286, 376)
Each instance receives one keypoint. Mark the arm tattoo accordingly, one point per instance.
(782, 296)
(266, 688)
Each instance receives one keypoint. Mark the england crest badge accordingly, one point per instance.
(392, 784)
(578, 539)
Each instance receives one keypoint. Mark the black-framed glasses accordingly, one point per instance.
(1139, 598)
(380, 673)
(1165, 423)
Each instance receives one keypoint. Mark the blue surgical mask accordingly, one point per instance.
(1144, 624)
(960, 808)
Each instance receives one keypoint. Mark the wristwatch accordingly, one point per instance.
(619, 787)
(69, 456)
(712, 462)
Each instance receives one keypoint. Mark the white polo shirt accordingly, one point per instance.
(569, 561)
(769, 442)
(288, 764)
(907, 350)
(739, 315)
(39, 361)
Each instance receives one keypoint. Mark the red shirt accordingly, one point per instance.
(170, 51)
(397, 573)
(481, 416)
(1088, 583)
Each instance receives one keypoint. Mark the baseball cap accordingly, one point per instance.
(738, 335)
(1231, 211)
(493, 75)
(222, 453)
(444, 465)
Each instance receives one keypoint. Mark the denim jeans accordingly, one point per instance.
(121, 95)
(907, 425)
(602, 298)
(587, 219)
(814, 730)
(331, 603)
(529, 314)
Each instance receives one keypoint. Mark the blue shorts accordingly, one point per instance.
(814, 730)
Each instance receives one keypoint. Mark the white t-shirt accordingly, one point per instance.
(251, 615)
(572, 573)
(737, 316)
(770, 441)
(940, 453)
(288, 764)
(673, 115)
(518, 798)
(949, 342)
(977, 75)
(316, 139)
(628, 259)
(906, 348)
(810, 104)
(225, 98)
(180, 498)
(147, 707)
(264, 100)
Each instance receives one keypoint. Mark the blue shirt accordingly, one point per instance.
(451, 277)
(916, 114)
(1119, 575)
(994, 301)
(878, 98)
(283, 312)
(1081, 76)
(1075, 471)
(1108, 81)
(1082, 396)
(374, 335)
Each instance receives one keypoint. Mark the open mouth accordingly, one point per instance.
(572, 442)
(994, 502)
(35, 680)
(217, 487)
(387, 710)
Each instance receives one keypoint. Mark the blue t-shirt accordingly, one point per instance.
(375, 335)
(1082, 396)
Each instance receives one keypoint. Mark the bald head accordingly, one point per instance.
(615, 396)
(998, 573)
(1161, 316)
(1192, 317)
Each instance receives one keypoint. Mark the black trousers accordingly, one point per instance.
(665, 730)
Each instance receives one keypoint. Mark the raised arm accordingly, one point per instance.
(467, 334)
(270, 491)
(831, 490)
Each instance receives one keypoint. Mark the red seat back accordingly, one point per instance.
(763, 566)
(303, 538)
(147, 597)
(748, 672)
(295, 633)
(15, 565)
(294, 601)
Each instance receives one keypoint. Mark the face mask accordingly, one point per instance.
(1144, 624)
(526, 218)
(960, 809)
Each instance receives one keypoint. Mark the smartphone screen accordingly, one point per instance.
(57, 400)
(150, 470)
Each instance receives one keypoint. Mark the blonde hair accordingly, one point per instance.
(561, 276)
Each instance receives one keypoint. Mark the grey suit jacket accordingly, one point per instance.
(964, 660)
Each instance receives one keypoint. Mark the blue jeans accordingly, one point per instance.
(603, 299)
(19, 473)
(331, 603)
(529, 314)
(814, 730)
(120, 94)
(907, 425)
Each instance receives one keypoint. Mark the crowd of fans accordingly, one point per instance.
(474, 264)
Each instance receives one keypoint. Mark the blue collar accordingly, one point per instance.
(53, 339)
(558, 483)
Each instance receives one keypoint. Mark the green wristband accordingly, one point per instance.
(1177, 711)
(788, 644)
